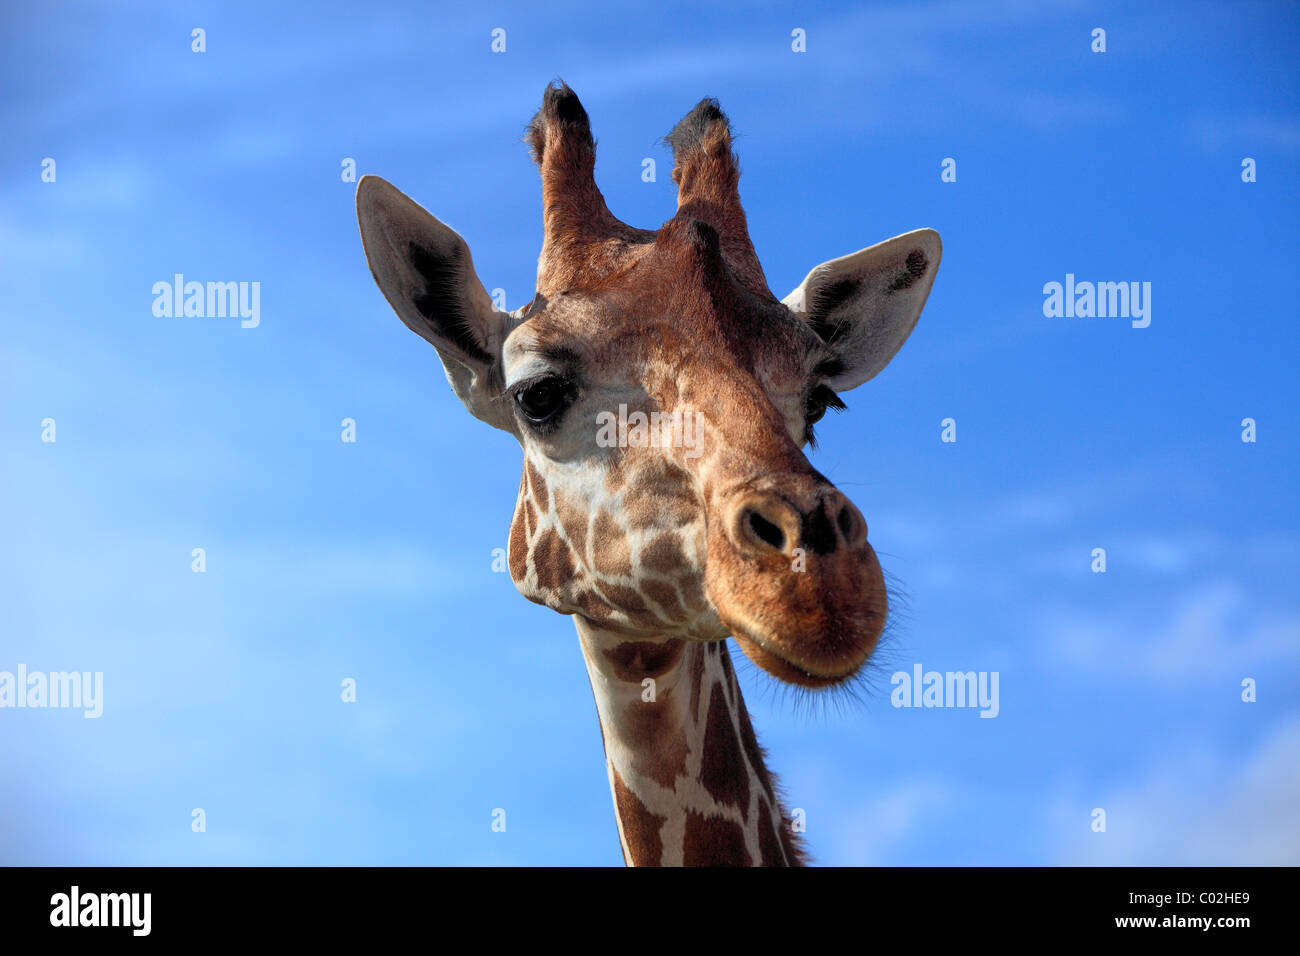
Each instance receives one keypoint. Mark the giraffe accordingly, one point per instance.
(659, 551)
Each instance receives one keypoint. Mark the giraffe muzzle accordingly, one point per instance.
(794, 579)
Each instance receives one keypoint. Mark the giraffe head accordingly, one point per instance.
(663, 397)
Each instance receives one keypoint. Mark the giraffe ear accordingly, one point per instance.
(427, 274)
(865, 305)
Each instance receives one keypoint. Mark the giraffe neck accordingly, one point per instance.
(689, 783)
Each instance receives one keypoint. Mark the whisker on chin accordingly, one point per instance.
(866, 690)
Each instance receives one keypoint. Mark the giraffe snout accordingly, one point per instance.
(794, 579)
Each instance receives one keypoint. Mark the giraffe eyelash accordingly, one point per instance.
(819, 399)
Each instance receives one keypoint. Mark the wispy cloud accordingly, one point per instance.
(1197, 808)
(870, 834)
(1246, 133)
(1213, 628)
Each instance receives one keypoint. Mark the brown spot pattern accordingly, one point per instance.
(665, 595)
(609, 546)
(552, 561)
(517, 549)
(770, 850)
(697, 677)
(574, 522)
(530, 516)
(714, 841)
(723, 773)
(634, 661)
(626, 600)
(640, 826)
(536, 483)
(664, 553)
(649, 728)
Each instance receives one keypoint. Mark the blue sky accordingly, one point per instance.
(372, 560)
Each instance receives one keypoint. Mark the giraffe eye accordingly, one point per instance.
(542, 401)
(822, 398)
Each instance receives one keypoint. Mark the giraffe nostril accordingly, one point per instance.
(766, 531)
(846, 523)
(852, 525)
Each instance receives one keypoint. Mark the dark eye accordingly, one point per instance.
(822, 398)
(542, 401)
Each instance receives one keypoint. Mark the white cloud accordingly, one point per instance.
(1212, 629)
(1196, 809)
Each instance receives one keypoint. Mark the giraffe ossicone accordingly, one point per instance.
(660, 550)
